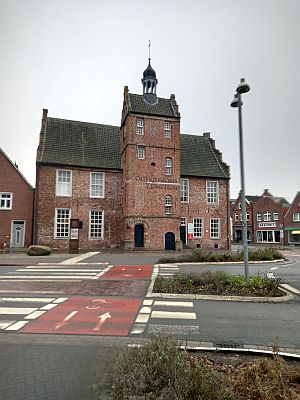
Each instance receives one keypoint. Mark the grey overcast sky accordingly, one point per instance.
(74, 57)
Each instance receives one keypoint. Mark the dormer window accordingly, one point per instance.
(139, 126)
(168, 132)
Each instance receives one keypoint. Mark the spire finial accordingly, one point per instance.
(149, 45)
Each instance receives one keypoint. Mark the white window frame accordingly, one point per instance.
(139, 126)
(236, 217)
(95, 226)
(212, 192)
(198, 228)
(269, 233)
(296, 217)
(267, 216)
(168, 204)
(63, 187)
(215, 230)
(67, 224)
(97, 189)
(6, 198)
(275, 216)
(258, 217)
(184, 190)
(168, 129)
(169, 166)
(141, 152)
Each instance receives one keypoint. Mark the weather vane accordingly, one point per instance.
(149, 45)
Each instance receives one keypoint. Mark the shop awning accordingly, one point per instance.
(292, 229)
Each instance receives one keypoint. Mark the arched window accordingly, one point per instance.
(168, 166)
(168, 205)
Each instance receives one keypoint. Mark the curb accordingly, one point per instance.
(182, 264)
(282, 299)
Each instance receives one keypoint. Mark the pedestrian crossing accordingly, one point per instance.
(56, 272)
(154, 315)
(16, 312)
(293, 253)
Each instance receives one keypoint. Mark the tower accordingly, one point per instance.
(150, 145)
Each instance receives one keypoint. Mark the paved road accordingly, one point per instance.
(80, 303)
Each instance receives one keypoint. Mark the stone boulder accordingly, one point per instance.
(36, 250)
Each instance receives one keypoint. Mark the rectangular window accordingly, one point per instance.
(296, 217)
(236, 217)
(184, 190)
(139, 126)
(268, 236)
(97, 184)
(168, 166)
(141, 152)
(258, 216)
(215, 228)
(6, 201)
(198, 227)
(183, 221)
(275, 216)
(168, 205)
(212, 192)
(96, 225)
(168, 132)
(63, 183)
(247, 216)
(267, 216)
(62, 223)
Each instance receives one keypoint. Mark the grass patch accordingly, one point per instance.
(160, 371)
(218, 283)
(200, 255)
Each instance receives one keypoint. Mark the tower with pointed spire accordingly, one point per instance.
(149, 82)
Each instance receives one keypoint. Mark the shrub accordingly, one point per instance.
(218, 282)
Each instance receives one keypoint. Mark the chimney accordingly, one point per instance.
(206, 135)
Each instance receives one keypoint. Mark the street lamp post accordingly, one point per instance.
(243, 87)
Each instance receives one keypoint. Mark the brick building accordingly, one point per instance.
(140, 185)
(292, 222)
(268, 222)
(237, 218)
(16, 205)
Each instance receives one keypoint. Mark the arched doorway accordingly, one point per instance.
(170, 241)
(139, 236)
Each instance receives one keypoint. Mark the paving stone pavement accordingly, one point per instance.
(36, 367)
(132, 288)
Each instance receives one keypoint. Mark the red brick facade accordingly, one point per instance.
(142, 205)
(237, 218)
(292, 222)
(16, 206)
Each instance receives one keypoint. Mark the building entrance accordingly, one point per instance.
(139, 236)
(169, 241)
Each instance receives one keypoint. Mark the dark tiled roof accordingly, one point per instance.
(164, 107)
(199, 159)
(84, 144)
(81, 144)
(252, 199)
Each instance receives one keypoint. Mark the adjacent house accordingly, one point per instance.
(16, 206)
(237, 218)
(268, 222)
(292, 222)
(140, 185)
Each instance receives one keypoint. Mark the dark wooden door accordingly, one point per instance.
(139, 236)
(170, 241)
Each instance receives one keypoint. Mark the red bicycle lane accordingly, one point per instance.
(113, 316)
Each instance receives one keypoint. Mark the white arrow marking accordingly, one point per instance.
(127, 275)
(102, 319)
(64, 321)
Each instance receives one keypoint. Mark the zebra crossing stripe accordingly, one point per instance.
(34, 315)
(173, 303)
(173, 315)
(16, 310)
(5, 324)
(16, 326)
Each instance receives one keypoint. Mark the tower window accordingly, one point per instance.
(139, 126)
(141, 152)
(168, 166)
(168, 205)
(168, 132)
